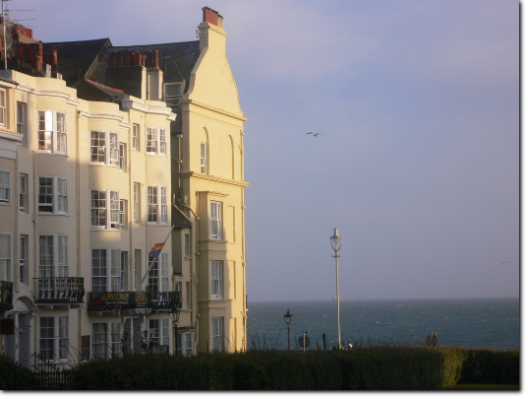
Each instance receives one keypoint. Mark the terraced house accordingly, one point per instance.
(106, 152)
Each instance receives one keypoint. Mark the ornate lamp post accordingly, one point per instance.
(335, 241)
(175, 317)
(288, 319)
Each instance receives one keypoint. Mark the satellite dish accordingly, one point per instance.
(431, 340)
(304, 343)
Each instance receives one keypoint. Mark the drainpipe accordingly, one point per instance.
(78, 189)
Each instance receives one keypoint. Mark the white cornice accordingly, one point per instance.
(128, 103)
(100, 116)
(48, 93)
(14, 136)
(189, 173)
(214, 109)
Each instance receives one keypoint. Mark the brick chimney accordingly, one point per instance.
(211, 30)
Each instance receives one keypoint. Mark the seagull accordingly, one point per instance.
(504, 263)
(314, 134)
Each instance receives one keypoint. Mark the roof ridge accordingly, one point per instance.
(81, 41)
(155, 44)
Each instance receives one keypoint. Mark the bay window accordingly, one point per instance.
(53, 338)
(106, 340)
(104, 148)
(106, 270)
(217, 334)
(52, 136)
(216, 220)
(5, 187)
(156, 141)
(53, 195)
(217, 273)
(105, 209)
(157, 205)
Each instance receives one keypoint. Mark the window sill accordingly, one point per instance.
(103, 164)
(5, 203)
(51, 214)
(42, 152)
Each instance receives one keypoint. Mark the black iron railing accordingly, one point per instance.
(6, 295)
(60, 290)
(165, 300)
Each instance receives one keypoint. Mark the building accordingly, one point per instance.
(150, 128)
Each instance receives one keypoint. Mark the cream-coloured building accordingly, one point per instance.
(176, 113)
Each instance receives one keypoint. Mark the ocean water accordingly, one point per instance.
(470, 323)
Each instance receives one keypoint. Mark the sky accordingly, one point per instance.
(418, 164)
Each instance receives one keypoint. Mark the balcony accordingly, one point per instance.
(6, 296)
(168, 300)
(112, 301)
(60, 290)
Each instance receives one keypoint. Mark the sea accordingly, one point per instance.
(468, 323)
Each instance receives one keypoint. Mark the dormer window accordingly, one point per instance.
(172, 92)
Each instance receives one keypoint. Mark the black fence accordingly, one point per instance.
(53, 377)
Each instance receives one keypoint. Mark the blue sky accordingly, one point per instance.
(418, 164)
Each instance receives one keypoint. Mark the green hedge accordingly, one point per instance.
(13, 376)
(372, 368)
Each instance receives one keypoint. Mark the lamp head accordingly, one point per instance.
(335, 240)
(288, 317)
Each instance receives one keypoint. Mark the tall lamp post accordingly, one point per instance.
(288, 318)
(335, 241)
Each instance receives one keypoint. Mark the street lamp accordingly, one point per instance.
(288, 319)
(335, 241)
(175, 317)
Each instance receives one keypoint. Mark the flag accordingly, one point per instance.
(156, 249)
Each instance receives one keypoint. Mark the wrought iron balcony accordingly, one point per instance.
(6, 295)
(60, 290)
(165, 300)
(103, 301)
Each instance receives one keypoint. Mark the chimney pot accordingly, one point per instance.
(38, 62)
(156, 58)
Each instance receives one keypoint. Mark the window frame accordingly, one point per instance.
(137, 267)
(123, 157)
(162, 215)
(163, 331)
(110, 148)
(59, 265)
(203, 157)
(6, 185)
(110, 210)
(22, 120)
(111, 269)
(189, 338)
(123, 214)
(215, 225)
(217, 279)
(111, 344)
(160, 266)
(154, 135)
(136, 137)
(23, 258)
(218, 339)
(3, 107)
(23, 197)
(7, 261)
(59, 339)
(172, 96)
(55, 195)
(56, 129)
(137, 201)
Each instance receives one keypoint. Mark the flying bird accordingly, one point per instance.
(314, 134)
(504, 263)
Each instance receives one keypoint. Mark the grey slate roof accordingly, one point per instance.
(77, 59)
(176, 60)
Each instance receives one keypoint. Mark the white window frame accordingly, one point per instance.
(23, 258)
(59, 337)
(216, 220)
(111, 269)
(137, 196)
(158, 276)
(187, 245)
(124, 271)
(123, 214)
(157, 201)
(107, 153)
(22, 120)
(123, 157)
(171, 96)
(55, 257)
(135, 137)
(59, 195)
(185, 342)
(110, 210)
(3, 107)
(109, 340)
(155, 136)
(5, 187)
(203, 157)
(217, 334)
(52, 132)
(6, 256)
(23, 196)
(159, 333)
(217, 279)
(137, 267)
